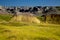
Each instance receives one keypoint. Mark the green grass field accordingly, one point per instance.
(29, 32)
(26, 31)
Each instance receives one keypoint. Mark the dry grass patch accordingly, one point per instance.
(25, 17)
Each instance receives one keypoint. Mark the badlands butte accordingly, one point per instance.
(36, 14)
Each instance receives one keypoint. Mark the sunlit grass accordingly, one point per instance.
(30, 32)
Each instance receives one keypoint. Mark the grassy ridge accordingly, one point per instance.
(27, 31)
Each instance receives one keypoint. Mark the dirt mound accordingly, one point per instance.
(25, 17)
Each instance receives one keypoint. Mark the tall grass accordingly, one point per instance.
(5, 17)
(28, 31)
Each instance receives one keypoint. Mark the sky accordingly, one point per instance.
(30, 2)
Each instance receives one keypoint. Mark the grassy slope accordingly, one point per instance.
(16, 31)
(30, 32)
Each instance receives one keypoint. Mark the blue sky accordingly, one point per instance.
(30, 2)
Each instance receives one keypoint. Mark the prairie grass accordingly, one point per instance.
(28, 31)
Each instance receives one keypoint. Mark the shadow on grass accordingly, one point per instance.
(14, 24)
(43, 38)
(57, 33)
(12, 38)
(4, 31)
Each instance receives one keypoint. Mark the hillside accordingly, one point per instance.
(29, 31)
(29, 26)
(25, 17)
